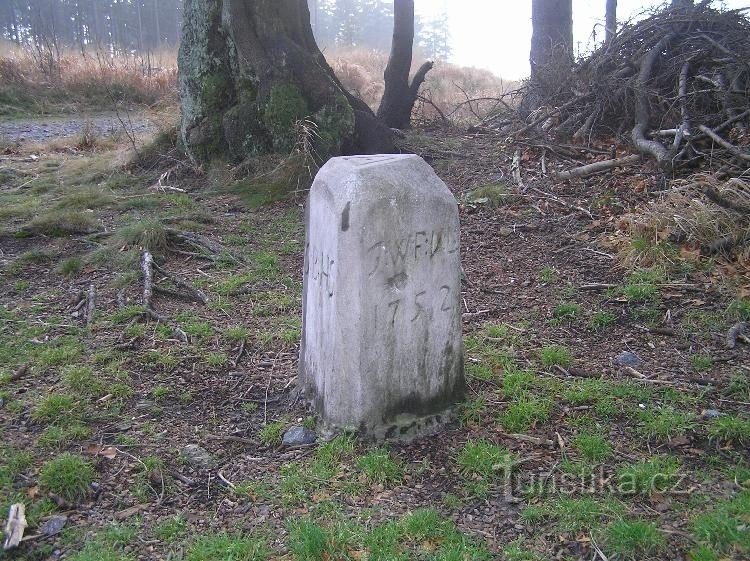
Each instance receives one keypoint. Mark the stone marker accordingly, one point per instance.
(382, 351)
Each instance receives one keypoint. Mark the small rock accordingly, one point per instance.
(710, 414)
(626, 358)
(198, 457)
(299, 436)
(53, 525)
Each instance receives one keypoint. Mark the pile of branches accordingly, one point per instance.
(676, 85)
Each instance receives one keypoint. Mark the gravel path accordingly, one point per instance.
(41, 130)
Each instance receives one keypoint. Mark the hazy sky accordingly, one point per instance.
(495, 34)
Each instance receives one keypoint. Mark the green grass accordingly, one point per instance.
(481, 458)
(215, 359)
(161, 393)
(664, 423)
(70, 267)
(171, 529)
(308, 541)
(82, 380)
(702, 362)
(470, 412)
(236, 333)
(67, 476)
(55, 408)
(555, 355)
(730, 428)
(725, 528)
(649, 476)
(332, 453)
(271, 434)
(585, 392)
(99, 552)
(548, 275)
(492, 194)
(479, 371)
(642, 285)
(592, 447)
(518, 383)
(149, 233)
(601, 320)
(379, 467)
(59, 223)
(226, 547)
(60, 353)
(525, 413)
(740, 309)
(571, 515)
(516, 551)
(62, 436)
(633, 539)
(565, 312)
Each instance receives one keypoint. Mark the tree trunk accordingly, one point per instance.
(141, 46)
(157, 24)
(250, 73)
(610, 25)
(400, 95)
(551, 42)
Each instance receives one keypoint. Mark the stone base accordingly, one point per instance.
(405, 428)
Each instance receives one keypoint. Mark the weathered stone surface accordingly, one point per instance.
(381, 351)
(626, 358)
(198, 457)
(299, 436)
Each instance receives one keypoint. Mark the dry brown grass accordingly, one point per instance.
(703, 214)
(96, 80)
(447, 86)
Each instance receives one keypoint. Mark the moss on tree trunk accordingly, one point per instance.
(250, 73)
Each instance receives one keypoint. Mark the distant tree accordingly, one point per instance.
(251, 75)
(400, 95)
(434, 38)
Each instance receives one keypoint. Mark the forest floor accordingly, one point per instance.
(559, 453)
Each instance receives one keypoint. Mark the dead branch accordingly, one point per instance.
(15, 527)
(642, 113)
(597, 167)
(724, 143)
(147, 267)
(192, 292)
(90, 304)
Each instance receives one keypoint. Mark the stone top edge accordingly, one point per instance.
(371, 160)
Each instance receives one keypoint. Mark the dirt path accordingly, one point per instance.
(41, 130)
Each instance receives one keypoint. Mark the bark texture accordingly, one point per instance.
(400, 95)
(250, 71)
(551, 40)
(610, 24)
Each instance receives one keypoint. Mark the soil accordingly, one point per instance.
(545, 245)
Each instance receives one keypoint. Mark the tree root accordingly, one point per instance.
(147, 267)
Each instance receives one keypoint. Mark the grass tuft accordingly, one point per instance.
(633, 539)
(379, 467)
(67, 476)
